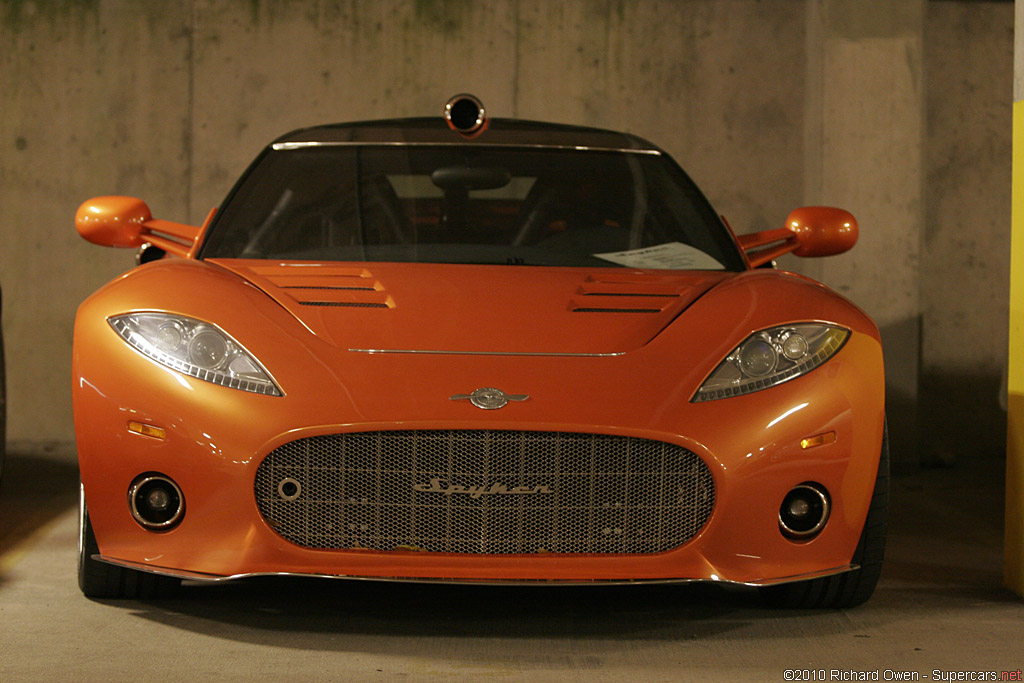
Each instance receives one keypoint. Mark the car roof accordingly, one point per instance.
(434, 130)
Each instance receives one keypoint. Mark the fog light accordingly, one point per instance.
(804, 511)
(156, 502)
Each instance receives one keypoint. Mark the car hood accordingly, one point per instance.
(477, 309)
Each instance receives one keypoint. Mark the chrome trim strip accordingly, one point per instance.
(493, 353)
(801, 577)
(81, 519)
(280, 146)
(186, 575)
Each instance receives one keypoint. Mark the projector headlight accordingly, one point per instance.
(194, 348)
(771, 357)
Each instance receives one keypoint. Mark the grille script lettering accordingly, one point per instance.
(495, 489)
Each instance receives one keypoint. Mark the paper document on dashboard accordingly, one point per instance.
(668, 256)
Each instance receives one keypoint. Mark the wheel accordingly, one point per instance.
(855, 587)
(101, 580)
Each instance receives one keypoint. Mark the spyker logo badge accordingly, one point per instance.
(495, 489)
(488, 398)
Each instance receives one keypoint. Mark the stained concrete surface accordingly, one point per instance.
(898, 111)
(170, 101)
(940, 608)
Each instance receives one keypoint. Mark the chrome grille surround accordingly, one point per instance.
(485, 492)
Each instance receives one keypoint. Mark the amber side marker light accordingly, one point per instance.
(147, 430)
(819, 440)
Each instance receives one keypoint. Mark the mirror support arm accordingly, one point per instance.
(174, 238)
(762, 247)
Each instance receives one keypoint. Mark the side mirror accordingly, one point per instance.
(114, 221)
(809, 231)
(822, 230)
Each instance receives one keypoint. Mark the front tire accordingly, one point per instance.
(854, 587)
(101, 580)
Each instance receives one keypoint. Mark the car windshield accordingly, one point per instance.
(471, 204)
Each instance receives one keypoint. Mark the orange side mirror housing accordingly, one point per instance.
(114, 221)
(809, 231)
(822, 230)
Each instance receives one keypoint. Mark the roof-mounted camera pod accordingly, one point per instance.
(465, 115)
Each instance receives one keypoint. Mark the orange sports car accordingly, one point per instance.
(477, 350)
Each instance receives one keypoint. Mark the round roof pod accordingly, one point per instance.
(465, 115)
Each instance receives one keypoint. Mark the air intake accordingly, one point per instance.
(465, 115)
(485, 492)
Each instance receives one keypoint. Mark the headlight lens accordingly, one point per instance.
(771, 357)
(195, 348)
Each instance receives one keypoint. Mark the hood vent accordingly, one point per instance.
(663, 296)
(469, 309)
(609, 309)
(350, 304)
(347, 289)
(625, 294)
(320, 285)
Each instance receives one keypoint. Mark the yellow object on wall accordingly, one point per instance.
(1013, 563)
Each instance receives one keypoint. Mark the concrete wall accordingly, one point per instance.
(94, 101)
(689, 75)
(863, 151)
(170, 101)
(965, 263)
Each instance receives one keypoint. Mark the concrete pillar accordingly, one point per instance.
(94, 101)
(864, 127)
(1013, 552)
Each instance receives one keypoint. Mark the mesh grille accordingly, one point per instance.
(485, 492)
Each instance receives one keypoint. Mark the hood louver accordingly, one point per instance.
(626, 295)
(330, 286)
(430, 308)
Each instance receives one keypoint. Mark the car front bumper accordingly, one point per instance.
(215, 439)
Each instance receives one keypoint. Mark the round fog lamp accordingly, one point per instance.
(804, 511)
(156, 502)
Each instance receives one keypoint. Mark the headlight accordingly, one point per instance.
(771, 357)
(195, 348)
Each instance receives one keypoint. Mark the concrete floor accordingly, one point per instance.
(939, 609)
